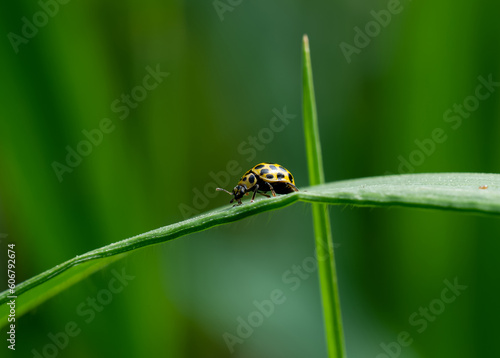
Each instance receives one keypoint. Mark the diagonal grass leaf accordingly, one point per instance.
(444, 191)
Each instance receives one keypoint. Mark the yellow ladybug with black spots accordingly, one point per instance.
(262, 178)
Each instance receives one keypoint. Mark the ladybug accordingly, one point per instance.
(262, 178)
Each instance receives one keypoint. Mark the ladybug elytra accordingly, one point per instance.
(262, 178)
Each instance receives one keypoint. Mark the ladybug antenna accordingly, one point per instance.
(220, 189)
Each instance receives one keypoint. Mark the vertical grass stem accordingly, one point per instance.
(322, 231)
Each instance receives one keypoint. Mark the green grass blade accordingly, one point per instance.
(322, 231)
(311, 131)
(444, 191)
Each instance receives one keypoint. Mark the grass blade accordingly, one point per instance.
(322, 231)
(443, 191)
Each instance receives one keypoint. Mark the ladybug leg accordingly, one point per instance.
(271, 188)
(254, 192)
(238, 203)
(293, 187)
(267, 196)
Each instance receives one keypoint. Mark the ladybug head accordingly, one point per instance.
(238, 192)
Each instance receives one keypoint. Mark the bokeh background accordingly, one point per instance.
(232, 65)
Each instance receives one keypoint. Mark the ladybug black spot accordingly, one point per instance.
(264, 171)
(280, 175)
(260, 166)
(290, 177)
(282, 168)
(273, 168)
(251, 179)
(269, 176)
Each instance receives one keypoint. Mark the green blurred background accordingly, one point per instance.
(228, 70)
